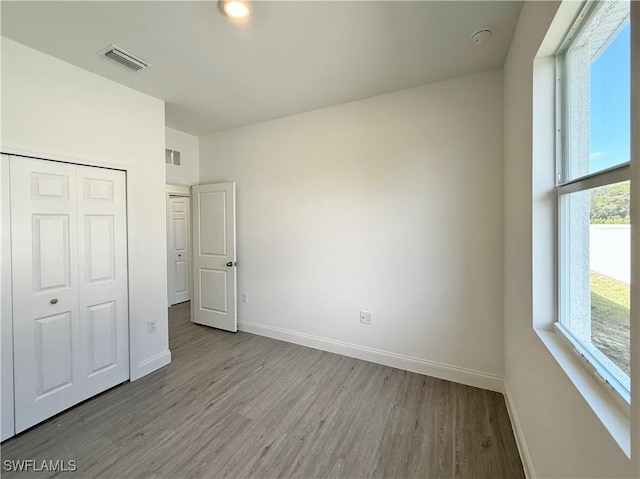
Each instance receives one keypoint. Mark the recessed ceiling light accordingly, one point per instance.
(236, 9)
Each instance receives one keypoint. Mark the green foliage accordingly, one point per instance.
(610, 221)
(610, 204)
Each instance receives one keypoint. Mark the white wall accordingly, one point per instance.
(562, 435)
(188, 146)
(610, 251)
(391, 204)
(53, 109)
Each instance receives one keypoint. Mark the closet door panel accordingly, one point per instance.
(46, 323)
(103, 286)
(69, 260)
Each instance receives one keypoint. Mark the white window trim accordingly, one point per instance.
(604, 405)
(610, 176)
(620, 395)
(624, 430)
(594, 361)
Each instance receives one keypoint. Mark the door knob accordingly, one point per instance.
(230, 264)
(179, 256)
(54, 301)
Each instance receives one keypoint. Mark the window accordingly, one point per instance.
(593, 191)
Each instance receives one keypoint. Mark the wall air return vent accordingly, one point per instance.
(172, 157)
(126, 59)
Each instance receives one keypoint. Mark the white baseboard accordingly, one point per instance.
(408, 363)
(151, 364)
(527, 464)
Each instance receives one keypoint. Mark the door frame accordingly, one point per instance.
(183, 192)
(135, 369)
(6, 302)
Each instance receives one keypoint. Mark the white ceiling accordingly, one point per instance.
(289, 58)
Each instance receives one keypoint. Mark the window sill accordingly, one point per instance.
(611, 378)
(601, 402)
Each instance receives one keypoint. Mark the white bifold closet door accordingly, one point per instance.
(70, 306)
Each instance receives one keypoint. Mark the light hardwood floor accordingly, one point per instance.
(240, 405)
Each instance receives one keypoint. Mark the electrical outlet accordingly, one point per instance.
(365, 317)
(245, 297)
(152, 326)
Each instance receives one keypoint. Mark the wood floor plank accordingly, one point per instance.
(240, 405)
(484, 448)
(418, 439)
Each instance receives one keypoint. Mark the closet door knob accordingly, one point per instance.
(54, 301)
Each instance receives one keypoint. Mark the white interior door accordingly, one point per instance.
(70, 307)
(214, 256)
(178, 249)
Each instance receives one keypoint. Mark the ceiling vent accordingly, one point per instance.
(126, 59)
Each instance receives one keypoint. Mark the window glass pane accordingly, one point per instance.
(610, 100)
(598, 92)
(595, 273)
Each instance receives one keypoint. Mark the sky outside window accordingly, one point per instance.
(610, 97)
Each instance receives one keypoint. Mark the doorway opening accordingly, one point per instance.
(178, 245)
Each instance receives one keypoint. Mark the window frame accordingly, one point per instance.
(591, 358)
